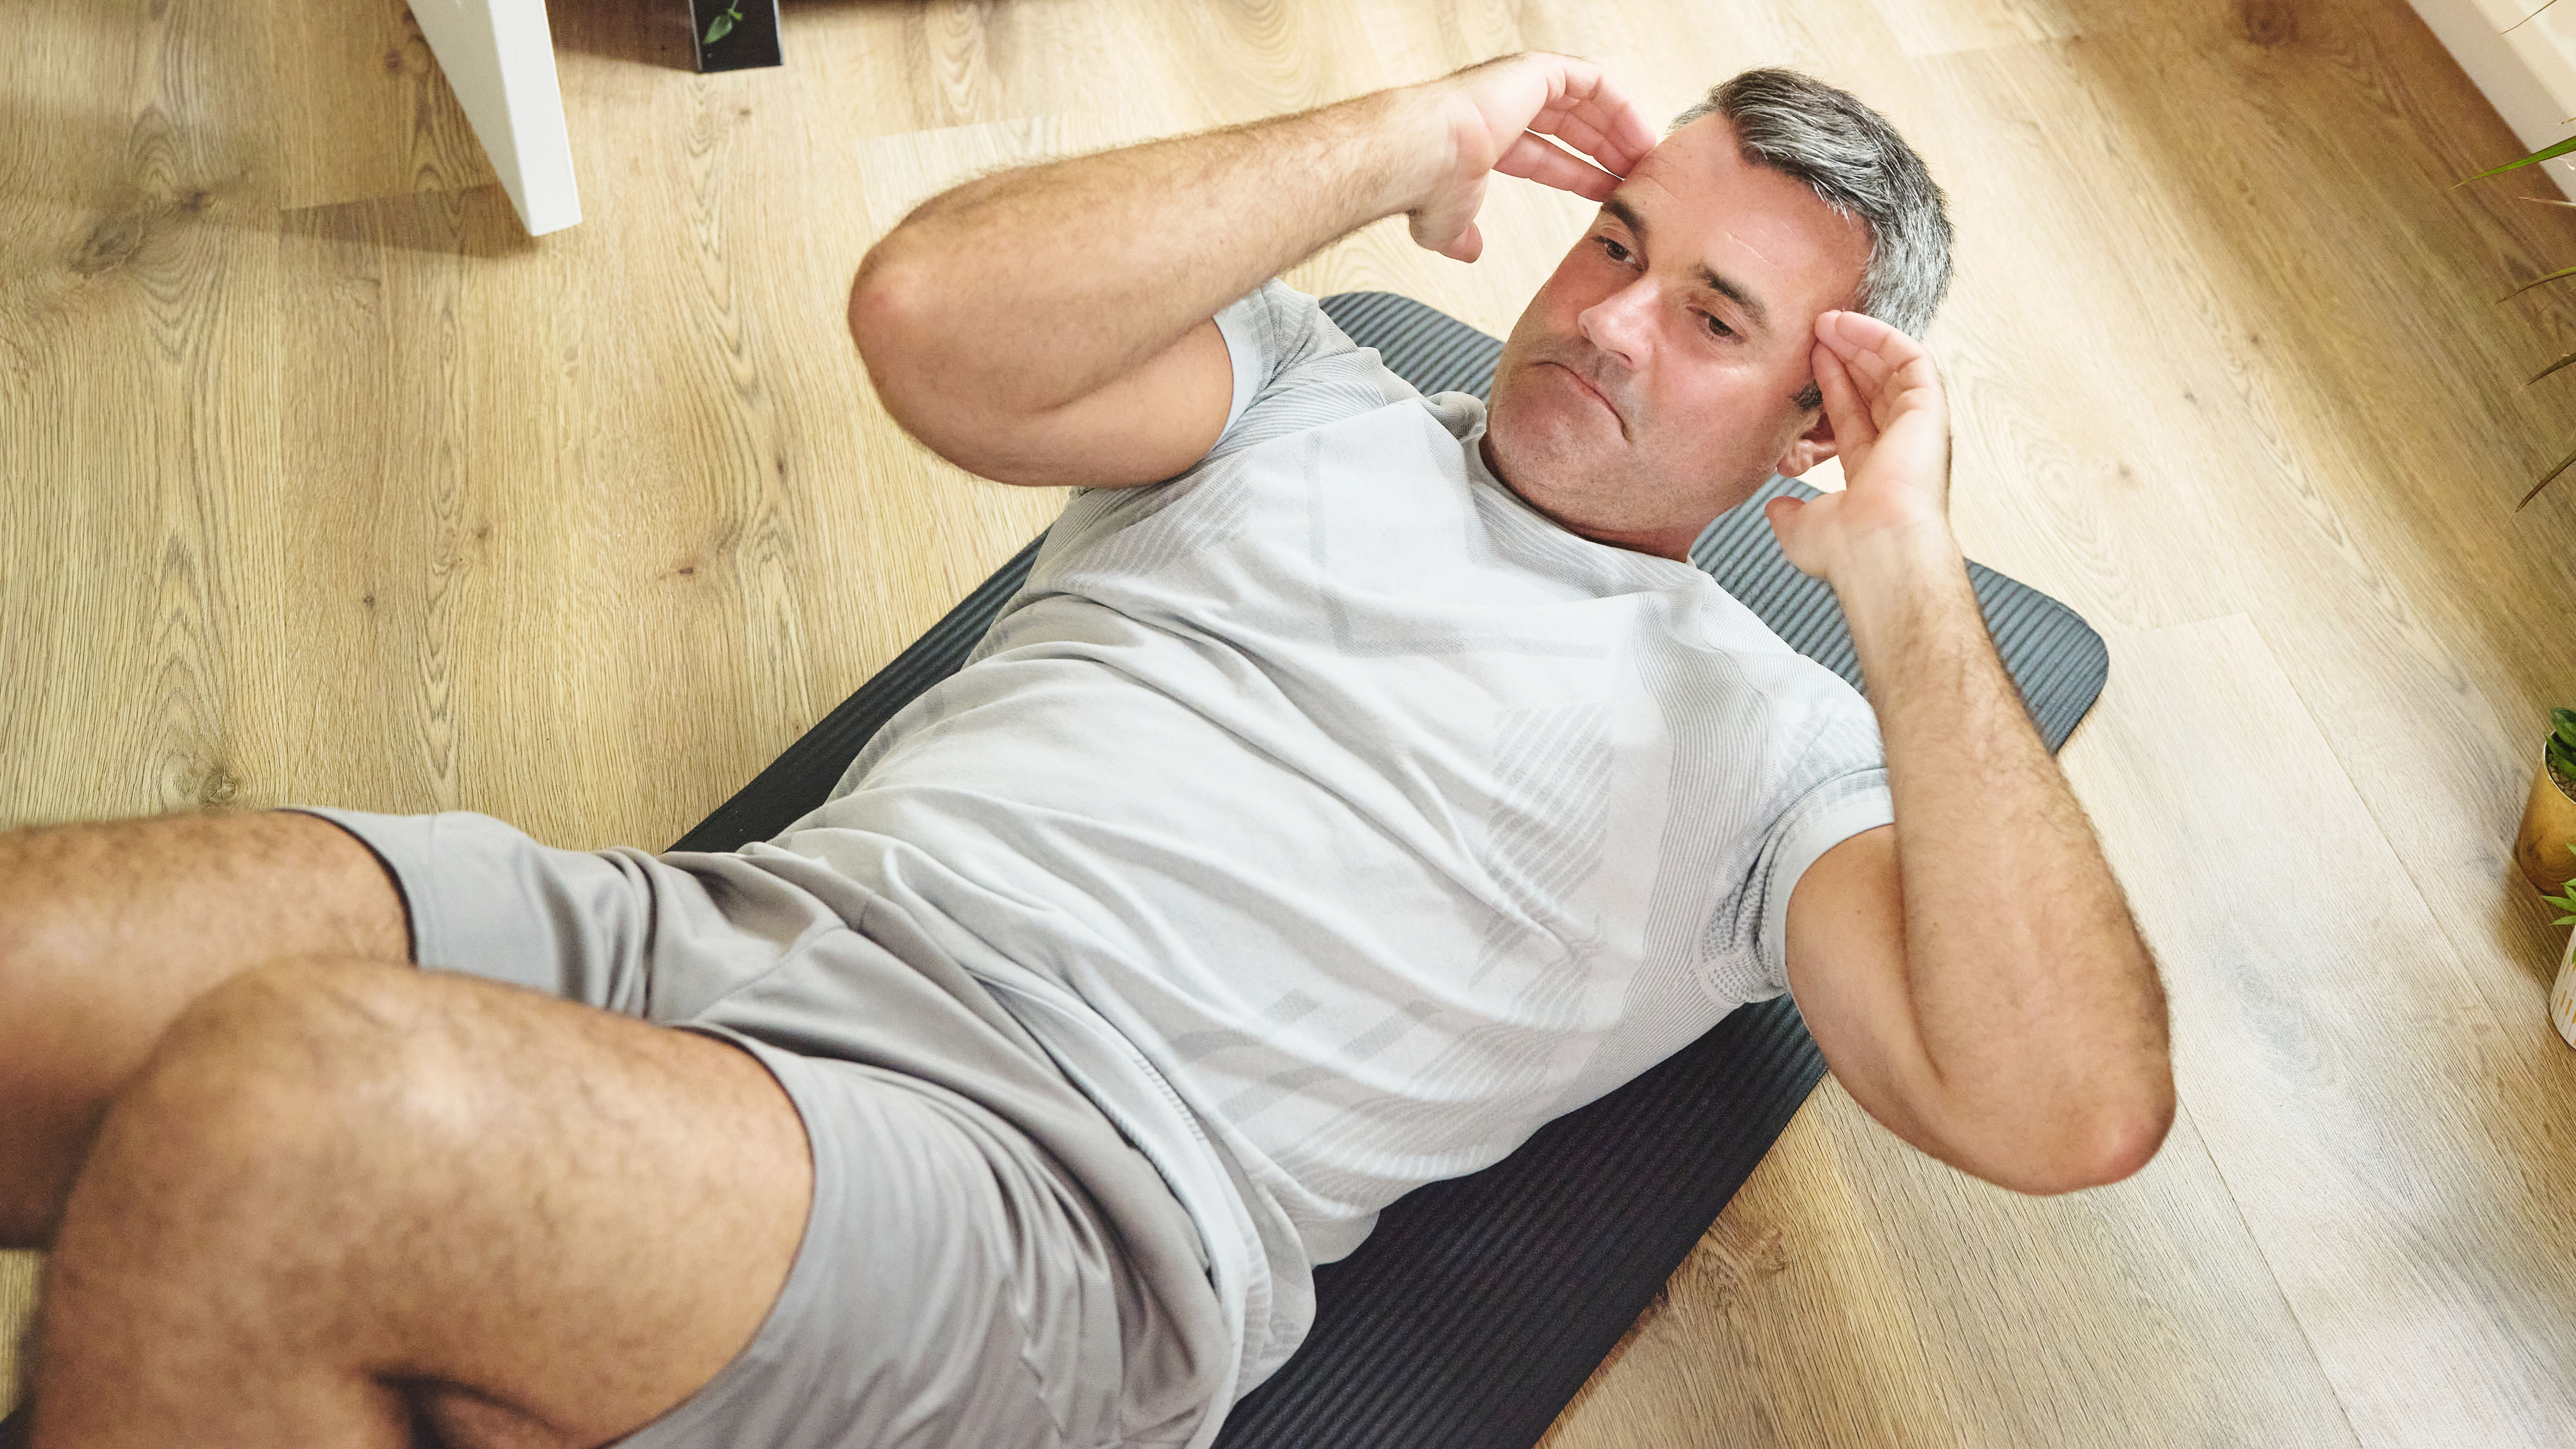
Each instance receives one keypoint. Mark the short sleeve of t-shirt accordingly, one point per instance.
(1830, 812)
(1293, 369)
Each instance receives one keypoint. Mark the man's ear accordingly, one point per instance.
(1809, 448)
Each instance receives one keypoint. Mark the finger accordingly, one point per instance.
(1589, 110)
(1865, 372)
(1575, 129)
(1854, 427)
(1610, 114)
(1631, 131)
(1613, 132)
(1633, 134)
(1916, 380)
(1468, 242)
(1535, 159)
(1890, 369)
(1585, 127)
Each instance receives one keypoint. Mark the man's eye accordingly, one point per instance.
(1617, 253)
(1720, 328)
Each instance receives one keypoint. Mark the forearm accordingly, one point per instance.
(2036, 1000)
(1039, 286)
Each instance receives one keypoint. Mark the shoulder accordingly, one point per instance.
(1295, 369)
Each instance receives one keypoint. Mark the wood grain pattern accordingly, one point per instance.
(2339, 1063)
(1922, 30)
(19, 1273)
(361, 108)
(1856, 1293)
(321, 482)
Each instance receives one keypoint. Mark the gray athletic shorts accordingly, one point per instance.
(987, 1262)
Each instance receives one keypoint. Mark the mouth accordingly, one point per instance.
(1597, 395)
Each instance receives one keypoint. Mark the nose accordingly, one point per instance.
(1621, 323)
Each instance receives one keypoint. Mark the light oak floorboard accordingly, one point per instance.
(363, 69)
(321, 482)
(1856, 1293)
(18, 1278)
(2348, 1079)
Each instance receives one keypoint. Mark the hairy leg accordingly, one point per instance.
(108, 932)
(333, 1196)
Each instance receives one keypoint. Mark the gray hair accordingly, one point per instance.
(1855, 162)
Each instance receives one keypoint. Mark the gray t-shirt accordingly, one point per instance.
(1336, 819)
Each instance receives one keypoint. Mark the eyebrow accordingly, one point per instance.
(1708, 276)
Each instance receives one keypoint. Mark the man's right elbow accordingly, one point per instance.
(894, 319)
(885, 303)
(888, 321)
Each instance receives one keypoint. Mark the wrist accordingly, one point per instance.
(1902, 558)
(1407, 143)
(1899, 580)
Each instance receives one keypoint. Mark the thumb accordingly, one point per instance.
(1782, 515)
(1447, 223)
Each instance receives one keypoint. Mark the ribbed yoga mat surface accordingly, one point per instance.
(1480, 1305)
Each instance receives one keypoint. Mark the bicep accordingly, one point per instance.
(1847, 969)
(1152, 422)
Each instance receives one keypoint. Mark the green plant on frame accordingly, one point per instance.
(722, 25)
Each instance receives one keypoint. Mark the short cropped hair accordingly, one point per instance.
(1856, 164)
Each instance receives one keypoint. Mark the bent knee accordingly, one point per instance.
(297, 1058)
(324, 1004)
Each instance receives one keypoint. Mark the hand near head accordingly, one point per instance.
(1891, 427)
(1497, 115)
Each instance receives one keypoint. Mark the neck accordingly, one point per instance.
(1660, 543)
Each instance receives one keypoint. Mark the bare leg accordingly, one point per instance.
(334, 1194)
(108, 932)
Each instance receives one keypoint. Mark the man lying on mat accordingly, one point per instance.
(1360, 780)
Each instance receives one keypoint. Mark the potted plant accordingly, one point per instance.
(2562, 996)
(2545, 848)
(2549, 816)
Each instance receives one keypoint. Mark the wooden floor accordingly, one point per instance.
(320, 482)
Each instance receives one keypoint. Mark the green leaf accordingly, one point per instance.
(2544, 480)
(722, 25)
(2565, 722)
(2545, 153)
(2553, 367)
(2565, 900)
(2536, 281)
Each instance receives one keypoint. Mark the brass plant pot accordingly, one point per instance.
(2548, 824)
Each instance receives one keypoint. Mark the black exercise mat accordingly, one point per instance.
(1480, 1305)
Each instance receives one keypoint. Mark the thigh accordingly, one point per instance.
(549, 1224)
(943, 1138)
(109, 931)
